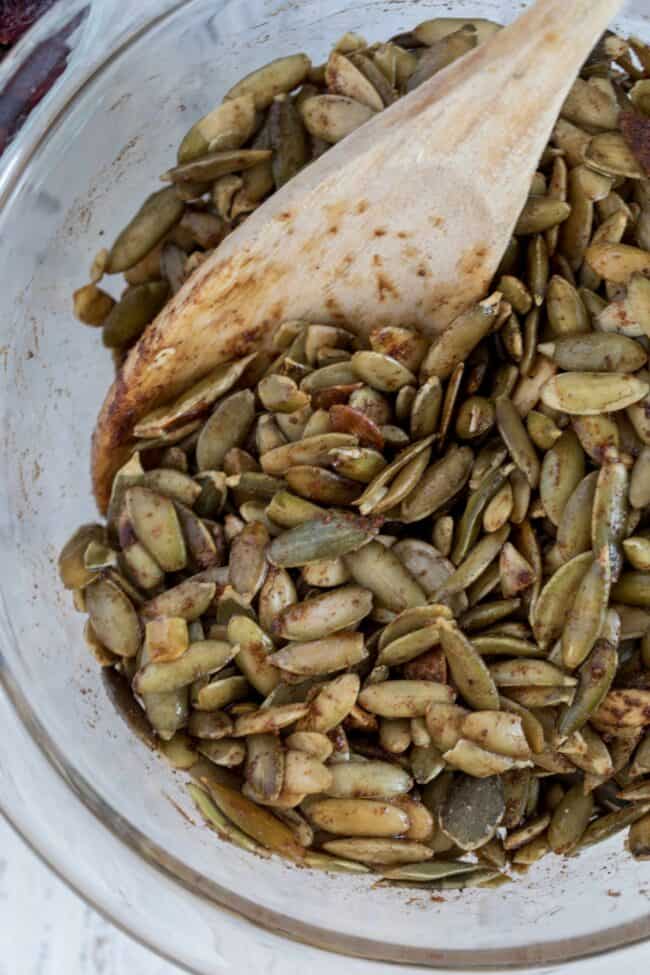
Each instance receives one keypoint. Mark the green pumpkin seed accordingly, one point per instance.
(321, 861)
(443, 534)
(640, 480)
(221, 692)
(412, 620)
(577, 230)
(441, 53)
(409, 646)
(254, 649)
(454, 345)
(487, 614)
(329, 537)
(502, 645)
(528, 390)
(381, 372)
(430, 31)
(322, 485)
(475, 417)
(222, 826)
(326, 573)
(201, 659)
(610, 514)
(341, 609)
(256, 822)
(357, 818)
(282, 75)
(403, 485)
(623, 709)
(113, 618)
(172, 484)
(324, 656)
(438, 484)
(290, 511)
(541, 213)
(599, 436)
(247, 566)
(472, 811)
(532, 726)
(395, 735)
(430, 872)
(542, 430)
(155, 218)
(542, 697)
(189, 600)
(228, 126)
(572, 140)
(426, 763)
(130, 316)
(311, 451)
(332, 704)
(225, 752)
(288, 139)
(211, 727)
(609, 153)
(361, 464)
(368, 780)
(574, 529)
(92, 306)
(73, 571)
(517, 440)
(226, 428)
(469, 671)
(618, 262)
(562, 470)
(515, 572)
(156, 525)
(516, 294)
(479, 762)
(403, 698)
(383, 852)
(633, 589)
(265, 765)
(525, 673)
(207, 168)
(344, 78)
(589, 106)
(609, 825)
(381, 572)
(637, 553)
(483, 553)
(638, 412)
(587, 614)
(538, 272)
(596, 352)
(570, 820)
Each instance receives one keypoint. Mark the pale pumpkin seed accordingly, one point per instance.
(332, 117)
(403, 698)
(282, 75)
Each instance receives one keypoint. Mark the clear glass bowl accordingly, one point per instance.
(85, 793)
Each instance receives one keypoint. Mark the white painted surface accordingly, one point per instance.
(45, 929)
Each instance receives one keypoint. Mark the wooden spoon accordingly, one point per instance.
(403, 222)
